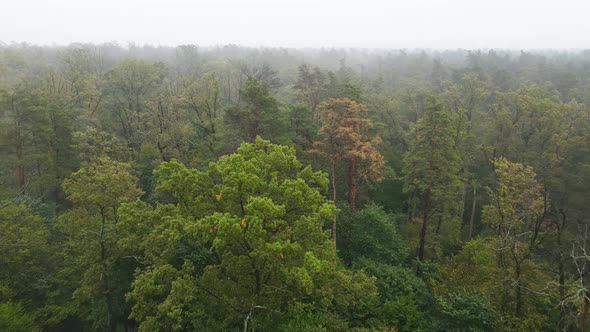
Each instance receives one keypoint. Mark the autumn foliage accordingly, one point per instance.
(344, 137)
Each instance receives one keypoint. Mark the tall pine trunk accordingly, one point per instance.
(424, 224)
(334, 195)
(20, 163)
(352, 184)
(20, 167)
(473, 206)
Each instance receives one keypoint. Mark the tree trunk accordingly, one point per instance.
(584, 313)
(352, 184)
(20, 167)
(424, 225)
(334, 195)
(109, 326)
(473, 206)
(518, 274)
(561, 295)
(248, 317)
(562, 288)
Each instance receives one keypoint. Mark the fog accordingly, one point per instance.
(526, 24)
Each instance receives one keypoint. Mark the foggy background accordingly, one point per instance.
(523, 24)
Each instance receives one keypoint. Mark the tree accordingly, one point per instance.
(202, 97)
(302, 126)
(262, 73)
(91, 228)
(25, 265)
(23, 125)
(343, 136)
(311, 85)
(371, 233)
(256, 115)
(537, 128)
(369, 241)
(517, 214)
(128, 87)
(254, 219)
(432, 168)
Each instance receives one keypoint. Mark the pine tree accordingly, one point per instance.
(343, 136)
(432, 167)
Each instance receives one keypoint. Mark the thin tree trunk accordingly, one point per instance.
(463, 200)
(108, 297)
(334, 195)
(20, 167)
(518, 273)
(584, 313)
(424, 225)
(561, 273)
(248, 317)
(561, 295)
(473, 206)
(352, 184)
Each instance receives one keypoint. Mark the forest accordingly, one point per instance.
(235, 188)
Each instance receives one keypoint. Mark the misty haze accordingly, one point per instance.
(294, 165)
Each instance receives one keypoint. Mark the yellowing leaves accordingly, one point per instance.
(219, 196)
(243, 223)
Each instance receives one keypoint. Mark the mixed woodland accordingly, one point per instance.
(272, 189)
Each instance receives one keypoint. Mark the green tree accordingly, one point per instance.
(24, 128)
(311, 85)
(128, 87)
(25, 263)
(202, 98)
(302, 126)
(257, 216)
(369, 241)
(517, 215)
(432, 169)
(256, 115)
(91, 233)
(371, 233)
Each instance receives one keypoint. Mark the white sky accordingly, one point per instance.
(517, 24)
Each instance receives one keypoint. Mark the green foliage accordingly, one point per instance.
(370, 234)
(91, 234)
(465, 312)
(25, 264)
(14, 318)
(432, 161)
(257, 215)
(302, 126)
(369, 242)
(405, 298)
(130, 84)
(257, 115)
(24, 240)
(111, 207)
(103, 184)
(432, 175)
(302, 317)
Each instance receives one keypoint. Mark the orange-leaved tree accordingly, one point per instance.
(343, 136)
